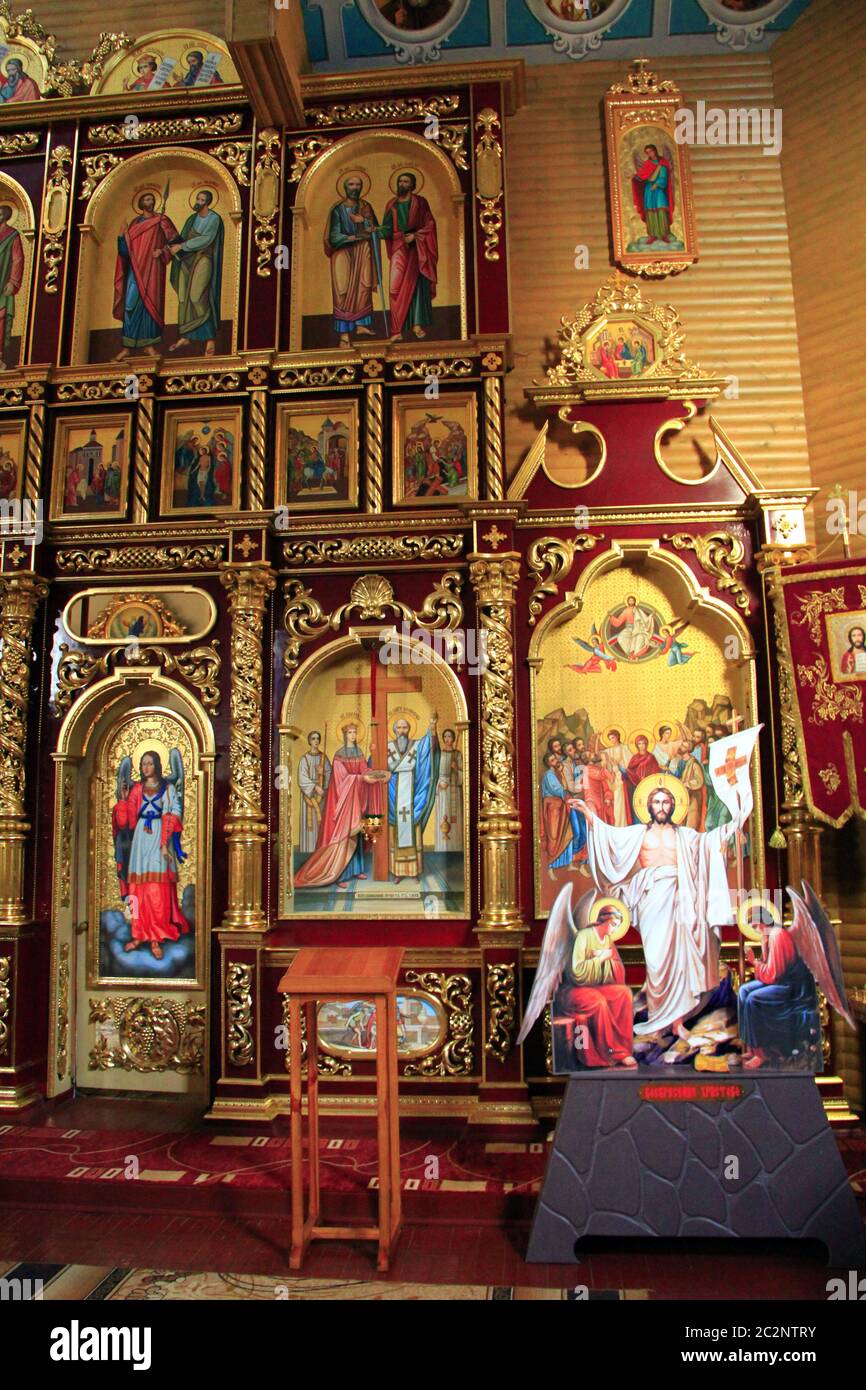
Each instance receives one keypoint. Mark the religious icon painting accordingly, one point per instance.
(91, 467)
(374, 822)
(347, 1028)
(414, 28)
(16, 255)
(380, 245)
(160, 260)
(649, 177)
(24, 64)
(577, 26)
(846, 642)
(317, 454)
(201, 460)
(146, 823)
(12, 436)
(435, 451)
(168, 60)
(621, 348)
(134, 618)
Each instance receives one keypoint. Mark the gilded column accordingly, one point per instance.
(257, 452)
(20, 595)
(143, 460)
(375, 455)
(246, 828)
(494, 579)
(493, 461)
(35, 444)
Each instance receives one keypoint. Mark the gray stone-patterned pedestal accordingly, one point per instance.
(623, 1165)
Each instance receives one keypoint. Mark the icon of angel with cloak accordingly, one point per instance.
(654, 192)
(778, 1013)
(147, 823)
(581, 971)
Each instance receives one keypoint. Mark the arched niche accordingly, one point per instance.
(174, 176)
(698, 667)
(17, 228)
(168, 60)
(118, 1019)
(378, 157)
(330, 692)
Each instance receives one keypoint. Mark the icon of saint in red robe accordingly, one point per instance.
(143, 252)
(353, 793)
(409, 228)
(147, 822)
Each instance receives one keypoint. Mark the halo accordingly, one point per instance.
(661, 781)
(149, 745)
(211, 188)
(350, 718)
(611, 729)
(620, 907)
(640, 733)
(144, 58)
(146, 188)
(366, 181)
(674, 725)
(404, 169)
(411, 719)
(745, 910)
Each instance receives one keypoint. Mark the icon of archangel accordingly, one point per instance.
(147, 825)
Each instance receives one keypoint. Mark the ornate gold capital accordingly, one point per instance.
(248, 588)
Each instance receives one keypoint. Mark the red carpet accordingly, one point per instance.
(211, 1171)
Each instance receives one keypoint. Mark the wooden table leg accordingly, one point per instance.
(394, 1107)
(383, 1118)
(313, 1108)
(297, 1251)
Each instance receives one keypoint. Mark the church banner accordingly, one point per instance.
(822, 611)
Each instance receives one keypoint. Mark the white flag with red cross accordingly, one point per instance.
(729, 770)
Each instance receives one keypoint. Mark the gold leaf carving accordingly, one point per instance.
(719, 554)
(456, 1056)
(502, 1006)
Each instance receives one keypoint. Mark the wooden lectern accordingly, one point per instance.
(315, 974)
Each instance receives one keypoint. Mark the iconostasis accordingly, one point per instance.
(308, 661)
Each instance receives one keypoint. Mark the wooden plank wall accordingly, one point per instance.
(77, 26)
(818, 67)
(737, 303)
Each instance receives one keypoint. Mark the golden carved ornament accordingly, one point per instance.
(326, 1063)
(813, 605)
(346, 551)
(236, 155)
(240, 1042)
(20, 595)
(248, 587)
(456, 1056)
(61, 1022)
(719, 554)
(642, 81)
(371, 596)
(671, 374)
(77, 669)
(11, 395)
(67, 821)
(494, 465)
(140, 557)
(494, 579)
(793, 788)
(771, 557)
(304, 152)
(5, 1004)
(154, 1035)
(831, 701)
(178, 127)
(443, 367)
(96, 166)
(21, 142)
(384, 110)
(341, 375)
(70, 77)
(489, 184)
(452, 139)
(200, 382)
(55, 210)
(104, 388)
(502, 1009)
(170, 626)
(551, 558)
(257, 449)
(266, 197)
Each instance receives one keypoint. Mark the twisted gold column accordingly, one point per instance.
(374, 452)
(143, 460)
(494, 579)
(20, 594)
(493, 461)
(257, 453)
(246, 829)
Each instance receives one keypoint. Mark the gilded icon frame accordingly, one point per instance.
(400, 406)
(348, 406)
(228, 415)
(63, 427)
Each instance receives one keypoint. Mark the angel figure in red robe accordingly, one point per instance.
(580, 969)
(147, 822)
